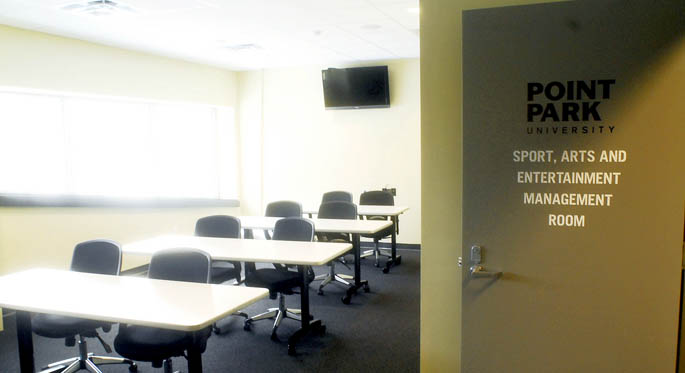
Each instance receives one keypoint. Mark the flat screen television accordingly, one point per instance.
(356, 88)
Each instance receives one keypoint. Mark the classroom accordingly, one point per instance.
(131, 121)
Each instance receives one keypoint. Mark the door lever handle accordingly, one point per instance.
(479, 271)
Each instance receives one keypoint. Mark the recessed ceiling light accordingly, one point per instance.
(242, 47)
(414, 10)
(98, 7)
(371, 26)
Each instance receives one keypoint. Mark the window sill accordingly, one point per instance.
(34, 200)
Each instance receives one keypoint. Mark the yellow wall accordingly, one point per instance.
(251, 127)
(46, 236)
(308, 150)
(441, 179)
(37, 60)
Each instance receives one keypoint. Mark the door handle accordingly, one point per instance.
(479, 271)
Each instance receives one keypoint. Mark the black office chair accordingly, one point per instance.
(221, 226)
(280, 280)
(282, 209)
(380, 198)
(337, 196)
(95, 256)
(158, 346)
(335, 210)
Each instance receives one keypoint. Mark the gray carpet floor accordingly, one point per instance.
(377, 332)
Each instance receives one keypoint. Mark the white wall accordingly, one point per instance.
(250, 128)
(32, 59)
(308, 150)
(46, 236)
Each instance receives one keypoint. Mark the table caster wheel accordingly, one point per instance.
(346, 299)
(386, 270)
(366, 288)
(247, 326)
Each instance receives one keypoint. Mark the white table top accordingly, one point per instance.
(268, 251)
(371, 210)
(175, 305)
(321, 225)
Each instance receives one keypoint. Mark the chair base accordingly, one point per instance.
(278, 314)
(86, 361)
(334, 278)
(168, 367)
(217, 330)
(377, 253)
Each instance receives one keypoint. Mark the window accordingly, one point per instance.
(108, 147)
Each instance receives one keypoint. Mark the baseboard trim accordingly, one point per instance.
(388, 245)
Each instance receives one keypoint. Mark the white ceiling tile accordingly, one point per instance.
(286, 32)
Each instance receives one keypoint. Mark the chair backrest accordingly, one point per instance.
(97, 256)
(221, 226)
(188, 265)
(294, 229)
(284, 209)
(337, 195)
(337, 210)
(377, 197)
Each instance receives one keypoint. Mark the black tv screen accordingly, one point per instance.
(356, 88)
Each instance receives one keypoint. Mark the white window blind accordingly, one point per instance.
(89, 146)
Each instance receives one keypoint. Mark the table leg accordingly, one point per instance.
(358, 282)
(25, 342)
(308, 325)
(194, 361)
(395, 259)
(304, 296)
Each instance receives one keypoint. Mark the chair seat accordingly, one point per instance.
(224, 271)
(277, 281)
(333, 237)
(150, 344)
(54, 326)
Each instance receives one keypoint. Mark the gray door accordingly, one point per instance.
(573, 187)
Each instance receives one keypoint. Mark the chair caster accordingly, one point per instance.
(133, 368)
(346, 299)
(398, 260)
(320, 292)
(291, 350)
(366, 288)
(376, 265)
(216, 330)
(274, 337)
(247, 326)
(322, 330)
(386, 270)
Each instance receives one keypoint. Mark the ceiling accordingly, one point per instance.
(234, 34)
